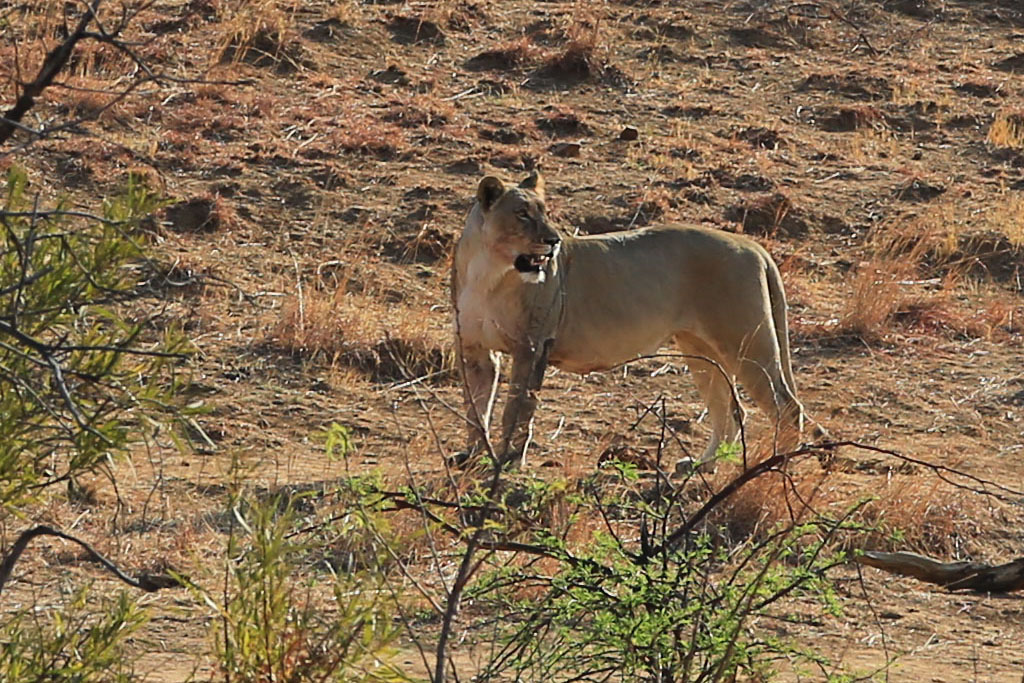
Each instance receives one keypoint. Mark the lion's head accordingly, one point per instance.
(517, 227)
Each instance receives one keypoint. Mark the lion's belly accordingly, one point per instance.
(591, 348)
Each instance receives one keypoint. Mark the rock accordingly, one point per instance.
(629, 133)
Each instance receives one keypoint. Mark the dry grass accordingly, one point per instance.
(888, 287)
(357, 329)
(360, 131)
(763, 505)
(516, 53)
(1007, 129)
(907, 509)
(420, 111)
(261, 33)
(918, 512)
(1007, 217)
(586, 50)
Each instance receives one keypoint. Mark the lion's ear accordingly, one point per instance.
(535, 182)
(489, 191)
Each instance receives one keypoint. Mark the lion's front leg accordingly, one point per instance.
(480, 384)
(528, 368)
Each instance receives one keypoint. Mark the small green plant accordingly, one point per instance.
(79, 642)
(280, 623)
(337, 441)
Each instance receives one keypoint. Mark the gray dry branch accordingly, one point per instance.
(58, 58)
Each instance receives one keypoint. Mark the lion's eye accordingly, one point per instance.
(525, 215)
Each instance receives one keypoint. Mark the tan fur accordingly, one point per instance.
(603, 300)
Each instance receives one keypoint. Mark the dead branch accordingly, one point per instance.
(52, 65)
(776, 462)
(147, 582)
(972, 576)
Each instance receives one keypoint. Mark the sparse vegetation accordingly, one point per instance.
(280, 185)
(81, 641)
(638, 600)
(339, 327)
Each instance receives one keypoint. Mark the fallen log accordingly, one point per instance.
(973, 576)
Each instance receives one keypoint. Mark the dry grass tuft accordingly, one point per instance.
(388, 343)
(919, 513)
(420, 111)
(772, 500)
(362, 132)
(428, 245)
(848, 119)
(769, 215)
(585, 53)
(1007, 129)
(1007, 218)
(563, 122)
(512, 55)
(203, 214)
(764, 504)
(908, 510)
(888, 288)
(262, 34)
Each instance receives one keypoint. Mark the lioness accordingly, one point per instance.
(591, 303)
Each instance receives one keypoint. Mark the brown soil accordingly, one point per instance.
(322, 175)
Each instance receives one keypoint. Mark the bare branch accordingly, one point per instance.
(779, 460)
(146, 582)
(55, 61)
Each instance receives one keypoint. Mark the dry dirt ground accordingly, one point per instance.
(322, 173)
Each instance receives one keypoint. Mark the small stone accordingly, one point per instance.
(629, 133)
(565, 149)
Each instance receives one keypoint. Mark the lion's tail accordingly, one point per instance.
(777, 297)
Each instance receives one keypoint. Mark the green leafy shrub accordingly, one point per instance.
(639, 602)
(76, 374)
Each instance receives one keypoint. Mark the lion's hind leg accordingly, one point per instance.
(715, 386)
(761, 373)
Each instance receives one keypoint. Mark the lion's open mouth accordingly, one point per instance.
(531, 263)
